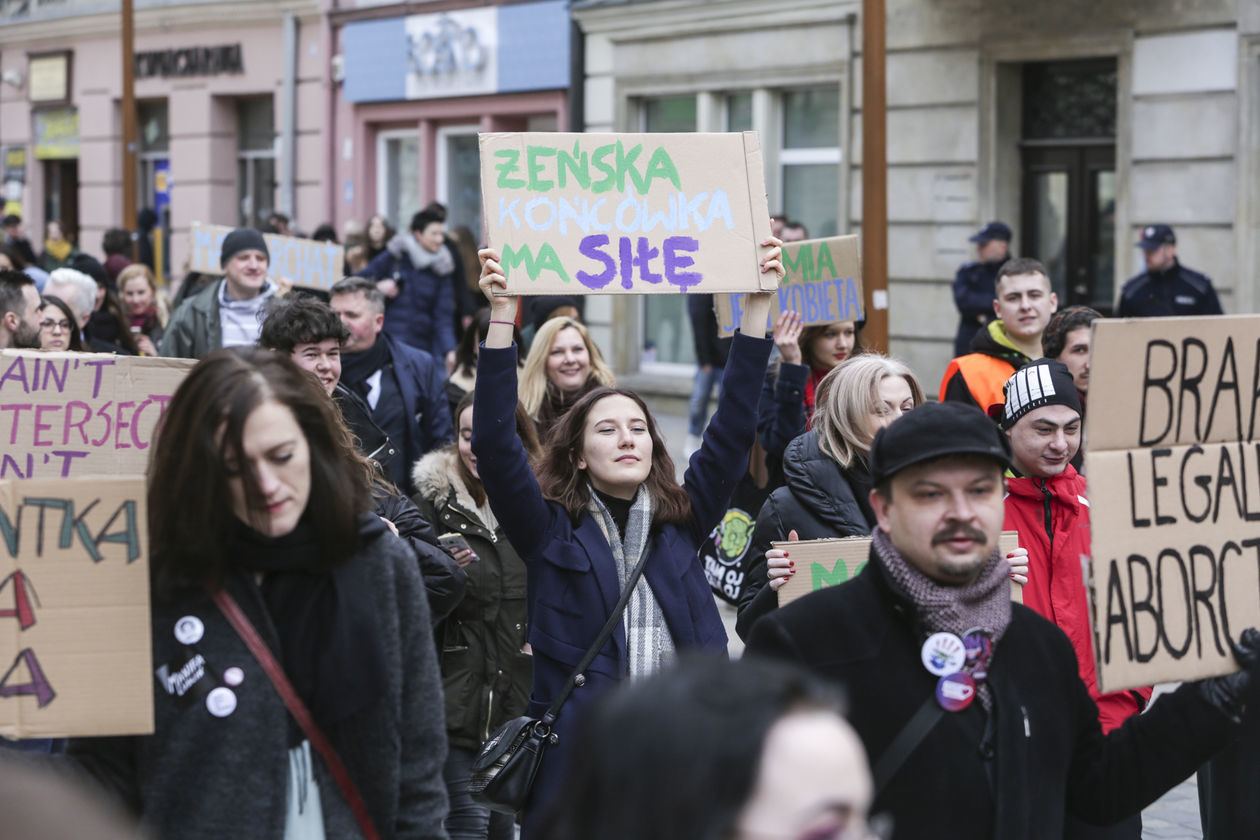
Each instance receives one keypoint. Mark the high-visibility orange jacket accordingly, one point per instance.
(978, 377)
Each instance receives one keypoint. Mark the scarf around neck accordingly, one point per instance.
(330, 641)
(357, 367)
(649, 645)
(984, 603)
(439, 262)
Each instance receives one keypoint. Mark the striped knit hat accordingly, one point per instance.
(1036, 384)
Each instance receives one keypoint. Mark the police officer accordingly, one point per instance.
(974, 283)
(1166, 287)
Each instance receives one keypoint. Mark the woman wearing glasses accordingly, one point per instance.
(57, 330)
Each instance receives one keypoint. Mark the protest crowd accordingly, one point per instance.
(390, 518)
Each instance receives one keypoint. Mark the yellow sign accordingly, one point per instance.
(56, 134)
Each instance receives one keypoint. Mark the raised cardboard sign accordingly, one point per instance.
(823, 283)
(1174, 484)
(307, 262)
(70, 415)
(75, 654)
(582, 214)
(823, 563)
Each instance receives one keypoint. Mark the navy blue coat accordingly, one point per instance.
(975, 289)
(423, 313)
(422, 380)
(573, 584)
(1177, 291)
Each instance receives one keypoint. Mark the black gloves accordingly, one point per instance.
(1229, 693)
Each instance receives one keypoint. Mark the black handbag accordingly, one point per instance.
(504, 770)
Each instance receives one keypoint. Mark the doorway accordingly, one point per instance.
(1068, 159)
(61, 196)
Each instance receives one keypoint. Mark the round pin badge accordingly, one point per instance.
(234, 676)
(955, 691)
(221, 702)
(189, 630)
(978, 645)
(943, 654)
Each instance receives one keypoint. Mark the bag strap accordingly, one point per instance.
(907, 740)
(575, 679)
(245, 629)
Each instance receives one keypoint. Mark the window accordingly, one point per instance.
(398, 176)
(255, 160)
(810, 158)
(666, 329)
(459, 177)
(739, 112)
(153, 167)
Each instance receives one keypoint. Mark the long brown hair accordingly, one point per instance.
(562, 481)
(524, 430)
(190, 500)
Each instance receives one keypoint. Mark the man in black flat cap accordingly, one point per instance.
(975, 281)
(1166, 287)
(970, 707)
(228, 313)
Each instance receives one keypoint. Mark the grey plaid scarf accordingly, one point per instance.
(648, 642)
(984, 603)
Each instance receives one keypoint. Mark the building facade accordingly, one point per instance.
(1076, 123)
(232, 98)
(415, 84)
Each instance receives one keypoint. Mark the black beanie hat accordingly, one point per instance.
(1036, 384)
(242, 239)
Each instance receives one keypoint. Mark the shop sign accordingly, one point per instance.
(48, 77)
(452, 54)
(190, 61)
(15, 164)
(56, 134)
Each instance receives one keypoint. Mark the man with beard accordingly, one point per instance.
(970, 707)
(19, 311)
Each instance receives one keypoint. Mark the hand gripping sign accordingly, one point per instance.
(1173, 461)
(626, 213)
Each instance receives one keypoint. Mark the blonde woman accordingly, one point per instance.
(827, 480)
(562, 365)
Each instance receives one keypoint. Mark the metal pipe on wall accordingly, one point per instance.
(288, 119)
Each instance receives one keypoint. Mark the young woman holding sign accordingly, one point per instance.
(603, 497)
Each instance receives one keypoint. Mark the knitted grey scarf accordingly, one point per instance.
(649, 645)
(440, 262)
(983, 603)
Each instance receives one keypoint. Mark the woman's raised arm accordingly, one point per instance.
(503, 306)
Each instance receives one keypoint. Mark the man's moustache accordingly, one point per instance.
(961, 531)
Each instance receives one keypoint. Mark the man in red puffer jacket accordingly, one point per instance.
(1046, 503)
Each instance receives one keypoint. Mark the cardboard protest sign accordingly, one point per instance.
(75, 654)
(69, 415)
(1174, 483)
(823, 282)
(626, 213)
(823, 563)
(307, 262)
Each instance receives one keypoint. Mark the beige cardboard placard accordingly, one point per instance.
(307, 262)
(823, 563)
(71, 415)
(1174, 485)
(75, 652)
(823, 282)
(585, 214)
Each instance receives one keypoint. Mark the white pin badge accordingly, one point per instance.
(221, 702)
(234, 676)
(189, 630)
(943, 654)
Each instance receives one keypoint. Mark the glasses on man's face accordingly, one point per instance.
(53, 326)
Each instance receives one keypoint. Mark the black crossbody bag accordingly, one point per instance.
(504, 770)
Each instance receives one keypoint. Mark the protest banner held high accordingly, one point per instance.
(307, 262)
(823, 283)
(1174, 474)
(626, 213)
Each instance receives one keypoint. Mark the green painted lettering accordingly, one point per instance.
(577, 163)
(662, 166)
(799, 270)
(511, 158)
(545, 260)
(821, 577)
(535, 167)
(625, 166)
(610, 175)
(824, 259)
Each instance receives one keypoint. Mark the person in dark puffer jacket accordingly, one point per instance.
(826, 474)
(487, 670)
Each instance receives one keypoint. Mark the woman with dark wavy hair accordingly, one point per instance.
(605, 496)
(254, 492)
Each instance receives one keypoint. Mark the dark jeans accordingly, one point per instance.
(467, 819)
